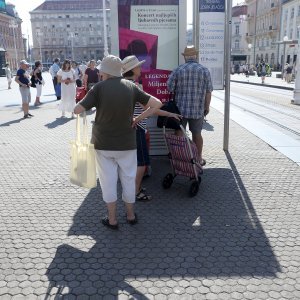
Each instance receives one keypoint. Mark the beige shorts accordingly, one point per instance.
(112, 165)
(25, 94)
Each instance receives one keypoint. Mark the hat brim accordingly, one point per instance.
(115, 73)
(190, 54)
(134, 66)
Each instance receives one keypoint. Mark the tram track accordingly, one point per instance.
(267, 107)
(295, 132)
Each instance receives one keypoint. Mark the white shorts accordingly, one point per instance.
(112, 165)
(25, 94)
(38, 90)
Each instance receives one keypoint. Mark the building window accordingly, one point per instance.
(298, 10)
(67, 16)
(237, 44)
(292, 13)
(68, 25)
(237, 29)
(291, 33)
(53, 26)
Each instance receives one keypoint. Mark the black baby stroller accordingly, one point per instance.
(183, 155)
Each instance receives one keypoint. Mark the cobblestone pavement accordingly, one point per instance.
(239, 238)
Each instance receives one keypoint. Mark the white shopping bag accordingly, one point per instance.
(83, 164)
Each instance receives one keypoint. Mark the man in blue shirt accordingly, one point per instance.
(191, 83)
(22, 79)
(53, 71)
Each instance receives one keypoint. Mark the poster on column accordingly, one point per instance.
(150, 30)
(211, 39)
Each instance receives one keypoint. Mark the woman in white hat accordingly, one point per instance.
(131, 70)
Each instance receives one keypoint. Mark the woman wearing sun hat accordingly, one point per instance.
(131, 70)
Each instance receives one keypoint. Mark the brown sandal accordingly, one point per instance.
(142, 197)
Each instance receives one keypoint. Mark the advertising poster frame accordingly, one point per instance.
(155, 31)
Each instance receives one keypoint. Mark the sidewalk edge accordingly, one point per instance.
(265, 85)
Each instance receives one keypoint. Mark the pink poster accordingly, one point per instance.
(150, 30)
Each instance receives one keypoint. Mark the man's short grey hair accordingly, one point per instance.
(190, 57)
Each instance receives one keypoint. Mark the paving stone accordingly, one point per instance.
(246, 246)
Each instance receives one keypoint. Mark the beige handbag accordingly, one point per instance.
(83, 164)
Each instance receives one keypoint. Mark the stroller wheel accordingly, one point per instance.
(194, 188)
(167, 181)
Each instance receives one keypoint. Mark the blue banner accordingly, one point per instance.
(2, 5)
(211, 5)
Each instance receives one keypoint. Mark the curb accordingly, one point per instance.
(265, 85)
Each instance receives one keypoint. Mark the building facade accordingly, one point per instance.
(290, 31)
(11, 40)
(239, 46)
(72, 29)
(263, 33)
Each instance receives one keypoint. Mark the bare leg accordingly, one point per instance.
(198, 140)
(112, 209)
(25, 107)
(37, 100)
(139, 177)
(129, 211)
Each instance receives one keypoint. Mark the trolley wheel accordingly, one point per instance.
(167, 181)
(194, 188)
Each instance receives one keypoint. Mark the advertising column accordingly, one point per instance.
(211, 39)
(154, 31)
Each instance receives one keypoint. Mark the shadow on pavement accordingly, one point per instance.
(58, 122)
(12, 122)
(12, 105)
(207, 126)
(215, 234)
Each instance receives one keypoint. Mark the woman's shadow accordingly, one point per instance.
(215, 234)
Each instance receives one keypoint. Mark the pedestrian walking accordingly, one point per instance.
(91, 75)
(53, 71)
(37, 81)
(263, 71)
(192, 85)
(114, 135)
(289, 73)
(78, 74)
(66, 77)
(132, 71)
(9, 76)
(22, 79)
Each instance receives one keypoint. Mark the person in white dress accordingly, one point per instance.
(66, 77)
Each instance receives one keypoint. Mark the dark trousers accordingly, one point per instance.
(57, 87)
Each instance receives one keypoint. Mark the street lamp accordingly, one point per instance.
(72, 44)
(105, 29)
(296, 98)
(13, 25)
(285, 40)
(249, 48)
(39, 41)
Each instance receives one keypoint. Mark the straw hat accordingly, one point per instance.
(190, 51)
(130, 62)
(24, 62)
(111, 65)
